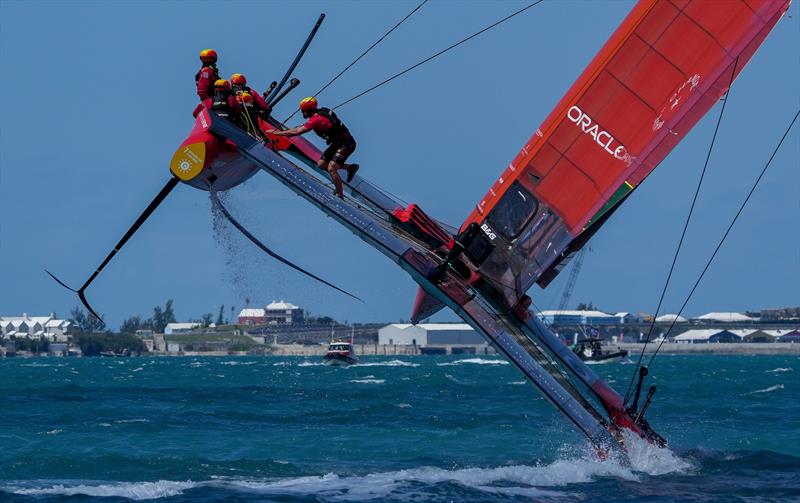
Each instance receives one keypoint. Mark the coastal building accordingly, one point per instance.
(429, 334)
(180, 328)
(34, 327)
(671, 318)
(580, 317)
(252, 316)
(706, 336)
(722, 317)
(275, 313)
(282, 312)
(787, 335)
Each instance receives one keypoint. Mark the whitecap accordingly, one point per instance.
(391, 363)
(136, 420)
(780, 369)
(369, 381)
(475, 361)
(237, 363)
(132, 490)
(309, 364)
(139, 369)
(517, 383)
(765, 390)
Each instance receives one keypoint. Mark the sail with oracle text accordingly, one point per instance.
(659, 73)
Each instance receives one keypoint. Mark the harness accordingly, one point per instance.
(213, 69)
(220, 105)
(337, 131)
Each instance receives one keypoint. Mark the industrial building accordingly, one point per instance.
(449, 336)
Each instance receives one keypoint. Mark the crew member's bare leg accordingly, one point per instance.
(333, 168)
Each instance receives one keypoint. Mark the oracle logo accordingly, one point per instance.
(600, 136)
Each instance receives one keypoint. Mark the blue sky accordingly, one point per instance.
(96, 96)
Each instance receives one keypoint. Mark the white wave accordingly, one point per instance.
(780, 369)
(309, 364)
(650, 459)
(391, 363)
(517, 383)
(765, 390)
(136, 420)
(53, 432)
(403, 405)
(36, 364)
(198, 364)
(138, 369)
(281, 364)
(475, 361)
(132, 490)
(529, 481)
(369, 381)
(233, 362)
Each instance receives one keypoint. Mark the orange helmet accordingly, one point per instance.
(208, 56)
(222, 84)
(237, 79)
(309, 103)
(246, 98)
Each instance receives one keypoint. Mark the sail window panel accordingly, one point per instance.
(569, 192)
(627, 58)
(597, 97)
(564, 135)
(629, 120)
(512, 213)
(656, 21)
(602, 167)
(725, 20)
(682, 42)
(760, 7)
(654, 80)
(543, 161)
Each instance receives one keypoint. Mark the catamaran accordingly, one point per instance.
(662, 69)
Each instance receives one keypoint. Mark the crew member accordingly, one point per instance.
(239, 85)
(223, 102)
(249, 114)
(340, 142)
(206, 78)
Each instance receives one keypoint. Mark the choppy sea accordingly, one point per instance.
(455, 428)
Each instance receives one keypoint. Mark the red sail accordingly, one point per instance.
(659, 73)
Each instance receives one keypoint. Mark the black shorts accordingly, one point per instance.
(339, 150)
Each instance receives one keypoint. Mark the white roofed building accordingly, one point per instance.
(706, 336)
(282, 312)
(252, 316)
(726, 317)
(180, 328)
(34, 327)
(670, 318)
(429, 334)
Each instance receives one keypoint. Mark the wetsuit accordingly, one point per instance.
(328, 127)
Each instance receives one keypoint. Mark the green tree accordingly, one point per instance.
(83, 321)
(220, 319)
(207, 319)
(586, 307)
(161, 317)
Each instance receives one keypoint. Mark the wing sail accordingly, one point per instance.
(658, 74)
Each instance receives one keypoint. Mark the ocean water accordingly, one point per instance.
(393, 429)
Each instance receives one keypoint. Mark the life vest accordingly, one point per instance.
(213, 69)
(220, 105)
(337, 130)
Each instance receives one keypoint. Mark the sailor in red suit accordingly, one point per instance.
(239, 84)
(328, 127)
(205, 79)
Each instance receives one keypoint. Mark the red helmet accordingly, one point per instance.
(238, 79)
(208, 56)
(222, 84)
(309, 103)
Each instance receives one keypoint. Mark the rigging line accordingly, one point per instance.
(741, 208)
(453, 46)
(418, 7)
(683, 232)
